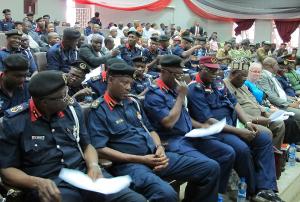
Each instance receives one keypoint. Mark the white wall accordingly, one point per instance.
(55, 8)
(263, 30)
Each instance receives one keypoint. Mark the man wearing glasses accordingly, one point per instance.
(43, 136)
(165, 104)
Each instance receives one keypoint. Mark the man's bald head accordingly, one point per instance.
(53, 38)
(270, 64)
(96, 42)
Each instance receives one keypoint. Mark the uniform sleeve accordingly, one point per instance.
(231, 97)
(84, 137)
(178, 51)
(198, 107)
(156, 107)
(53, 60)
(9, 144)
(97, 129)
(146, 121)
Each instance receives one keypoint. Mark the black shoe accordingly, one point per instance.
(267, 196)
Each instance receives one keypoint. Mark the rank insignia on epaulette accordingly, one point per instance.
(17, 108)
(95, 103)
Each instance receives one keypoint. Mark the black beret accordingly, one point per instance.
(46, 82)
(171, 61)
(18, 23)
(81, 65)
(16, 62)
(154, 38)
(188, 38)
(164, 38)
(139, 59)
(38, 19)
(13, 32)
(71, 33)
(135, 33)
(121, 69)
(6, 11)
(200, 38)
(113, 61)
(30, 14)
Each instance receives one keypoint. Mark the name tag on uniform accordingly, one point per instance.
(119, 121)
(38, 137)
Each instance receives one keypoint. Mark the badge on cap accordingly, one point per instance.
(214, 60)
(16, 108)
(65, 78)
(82, 65)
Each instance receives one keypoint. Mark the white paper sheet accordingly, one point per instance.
(101, 185)
(211, 130)
(280, 115)
(94, 72)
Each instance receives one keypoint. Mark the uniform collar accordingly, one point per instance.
(104, 76)
(35, 114)
(129, 47)
(162, 85)
(111, 103)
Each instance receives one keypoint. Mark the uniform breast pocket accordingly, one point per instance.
(118, 127)
(213, 102)
(35, 145)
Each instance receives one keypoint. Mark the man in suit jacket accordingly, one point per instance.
(92, 54)
(276, 95)
(196, 29)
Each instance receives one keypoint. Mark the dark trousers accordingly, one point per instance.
(254, 161)
(202, 148)
(73, 194)
(202, 176)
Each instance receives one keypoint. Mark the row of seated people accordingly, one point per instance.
(39, 136)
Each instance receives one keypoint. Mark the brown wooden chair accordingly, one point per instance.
(41, 60)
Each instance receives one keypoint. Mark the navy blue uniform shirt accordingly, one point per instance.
(19, 96)
(128, 53)
(215, 102)
(4, 53)
(6, 25)
(98, 84)
(164, 51)
(286, 85)
(159, 100)
(138, 86)
(60, 59)
(40, 147)
(117, 126)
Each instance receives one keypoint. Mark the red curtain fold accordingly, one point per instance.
(243, 25)
(156, 6)
(205, 14)
(286, 28)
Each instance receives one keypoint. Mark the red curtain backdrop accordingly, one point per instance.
(243, 25)
(286, 28)
(205, 14)
(155, 6)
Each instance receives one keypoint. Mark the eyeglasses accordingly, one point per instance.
(256, 72)
(177, 75)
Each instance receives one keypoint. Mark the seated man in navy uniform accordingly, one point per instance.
(129, 50)
(13, 42)
(45, 135)
(120, 132)
(99, 83)
(185, 50)
(164, 104)
(62, 55)
(13, 87)
(75, 77)
(141, 80)
(7, 23)
(209, 101)
(164, 48)
(283, 80)
(151, 54)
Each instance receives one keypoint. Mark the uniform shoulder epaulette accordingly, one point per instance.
(95, 104)
(95, 78)
(16, 109)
